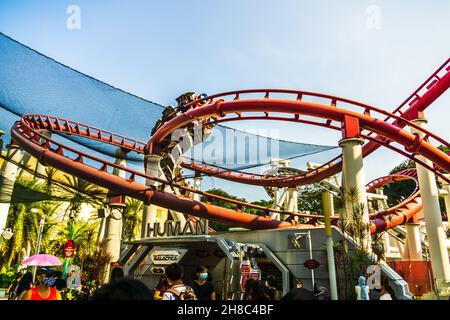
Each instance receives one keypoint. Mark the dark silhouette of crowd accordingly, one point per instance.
(170, 287)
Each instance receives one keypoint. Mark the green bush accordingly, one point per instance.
(6, 276)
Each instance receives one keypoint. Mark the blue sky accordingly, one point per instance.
(159, 49)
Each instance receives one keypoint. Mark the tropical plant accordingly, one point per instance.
(25, 225)
(94, 266)
(353, 262)
(84, 236)
(78, 191)
(132, 217)
(7, 276)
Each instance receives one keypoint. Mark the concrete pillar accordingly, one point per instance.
(353, 178)
(152, 168)
(292, 201)
(113, 231)
(8, 173)
(113, 222)
(382, 204)
(432, 215)
(446, 187)
(276, 199)
(24, 162)
(413, 241)
(40, 168)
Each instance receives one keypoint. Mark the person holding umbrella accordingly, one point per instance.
(44, 290)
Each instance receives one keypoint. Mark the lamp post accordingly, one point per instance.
(38, 242)
(308, 235)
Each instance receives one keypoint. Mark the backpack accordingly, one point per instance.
(186, 294)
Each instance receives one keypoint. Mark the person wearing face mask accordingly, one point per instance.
(203, 288)
(44, 289)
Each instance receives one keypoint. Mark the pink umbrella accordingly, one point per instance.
(42, 260)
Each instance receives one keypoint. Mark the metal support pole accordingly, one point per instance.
(38, 242)
(310, 257)
(327, 204)
(66, 261)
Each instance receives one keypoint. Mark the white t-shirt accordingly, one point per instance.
(386, 296)
(170, 296)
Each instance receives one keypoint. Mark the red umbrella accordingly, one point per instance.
(42, 260)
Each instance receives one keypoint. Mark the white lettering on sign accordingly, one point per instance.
(173, 228)
(165, 256)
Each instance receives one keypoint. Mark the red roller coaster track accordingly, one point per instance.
(378, 130)
(409, 109)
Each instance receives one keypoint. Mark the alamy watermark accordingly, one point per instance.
(374, 277)
(73, 21)
(225, 146)
(373, 21)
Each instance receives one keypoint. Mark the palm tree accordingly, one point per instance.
(83, 235)
(79, 191)
(132, 217)
(25, 223)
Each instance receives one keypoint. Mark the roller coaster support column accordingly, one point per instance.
(292, 202)
(114, 222)
(113, 229)
(24, 162)
(152, 168)
(413, 241)
(446, 187)
(276, 199)
(8, 175)
(353, 175)
(382, 205)
(328, 211)
(198, 186)
(40, 168)
(433, 221)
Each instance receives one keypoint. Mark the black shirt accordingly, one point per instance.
(203, 292)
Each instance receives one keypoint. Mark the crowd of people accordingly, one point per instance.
(49, 285)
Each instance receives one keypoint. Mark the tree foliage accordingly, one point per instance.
(310, 199)
(400, 190)
(132, 218)
(225, 204)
